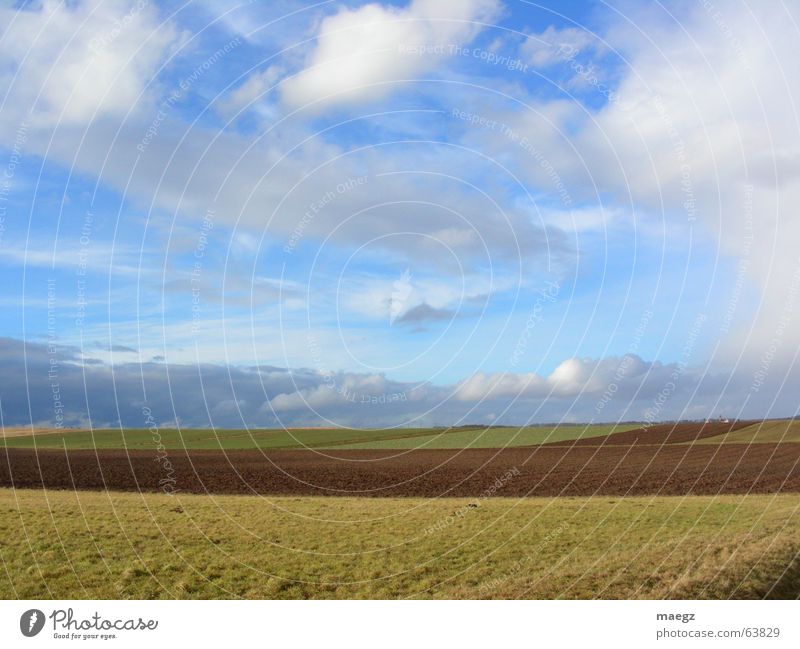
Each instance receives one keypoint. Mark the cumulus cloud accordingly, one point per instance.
(573, 377)
(49, 384)
(698, 133)
(73, 62)
(359, 52)
(177, 169)
(714, 110)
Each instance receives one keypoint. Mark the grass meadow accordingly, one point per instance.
(62, 544)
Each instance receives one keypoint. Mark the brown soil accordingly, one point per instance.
(653, 461)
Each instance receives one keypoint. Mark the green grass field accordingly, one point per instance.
(111, 545)
(493, 437)
(476, 437)
(766, 431)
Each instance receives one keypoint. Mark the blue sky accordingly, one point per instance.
(416, 198)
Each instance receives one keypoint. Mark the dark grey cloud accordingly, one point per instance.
(425, 313)
(122, 349)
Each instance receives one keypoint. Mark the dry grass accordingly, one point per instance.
(110, 545)
(10, 432)
(766, 431)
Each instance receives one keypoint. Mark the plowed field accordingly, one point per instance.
(657, 460)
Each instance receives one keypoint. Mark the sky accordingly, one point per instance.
(282, 214)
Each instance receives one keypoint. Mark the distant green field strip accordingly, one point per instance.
(205, 439)
(492, 437)
(768, 431)
(171, 438)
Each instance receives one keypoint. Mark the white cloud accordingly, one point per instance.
(499, 385)
(101, 257)
(263, 187)
(249, 92)
(390, 299)
(699, 132)
(359, 52)
(713, 111)
(585, 219)
(71, 62)
(574, 377)
(556, 45)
